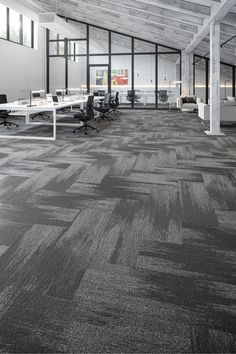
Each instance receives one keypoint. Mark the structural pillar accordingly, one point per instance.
(214, 79)
(187, 73)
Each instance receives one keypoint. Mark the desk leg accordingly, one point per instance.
(145, 100)
(27, 118)
(54, 124)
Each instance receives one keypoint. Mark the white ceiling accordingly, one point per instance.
(170, 22)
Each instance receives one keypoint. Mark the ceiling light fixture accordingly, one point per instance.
(58, 25)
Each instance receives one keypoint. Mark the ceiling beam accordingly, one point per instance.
(147, 10)
(219, 11)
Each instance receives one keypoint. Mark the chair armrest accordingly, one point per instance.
(179, 102)
(80, 113)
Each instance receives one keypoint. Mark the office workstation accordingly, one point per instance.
(117, 176)
(38, 106)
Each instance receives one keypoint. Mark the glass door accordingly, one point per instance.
(99, 79)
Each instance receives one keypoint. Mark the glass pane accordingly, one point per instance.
(143, 47)
(98, 79)
(77, 47)
(56, 48)
(226, 81)
(3, 21)
(14, 26)
(77, 76)
(121, 77)
(71, 47)
(80, 47)
(26, 31)
(81, 28)
(72, 58)
(165, 49)
(98, 41)
(168, 79)
(53, 35)
(57, 74)
(200, 78)
(144, 80)
(120, 43)
(61, 48)
(53, 48)
(99, 59)
(35, 35)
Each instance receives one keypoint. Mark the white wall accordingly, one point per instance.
(22, 68)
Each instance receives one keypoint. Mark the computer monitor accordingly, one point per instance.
(36, 94)
(55, 99)
(3, 98)
(60, 92)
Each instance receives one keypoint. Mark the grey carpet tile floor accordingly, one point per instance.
(119, 242)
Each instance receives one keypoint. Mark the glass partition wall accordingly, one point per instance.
(202, 79)
(101, 61)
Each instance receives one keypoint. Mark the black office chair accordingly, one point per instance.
(163, 97)
(104, 107)
(132, 96)
(114, 104)
(4, 114)
(85, 116)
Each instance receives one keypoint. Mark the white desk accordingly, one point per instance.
(42, 107)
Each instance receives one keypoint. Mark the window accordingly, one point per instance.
(144, 47)
(77, 75)
(145, 74)
(77, 47)
(35, 28)
(27, 32)
(98, 41)
(226, 81)
(168, 79)
(101, 59)
(20, 29)
(162, 49)
(57, 48)
(81, 29)
(121, 77)
(200, 78)
(144, 80)
(120, 43)
(15, 26)
(3, 21)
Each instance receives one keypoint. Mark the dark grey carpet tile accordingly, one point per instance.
(197, 206)
(119, 242)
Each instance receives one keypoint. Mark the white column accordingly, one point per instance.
(187, 73)
(214, 79)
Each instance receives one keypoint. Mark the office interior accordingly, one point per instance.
(121, 240)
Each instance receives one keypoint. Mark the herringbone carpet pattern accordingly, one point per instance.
(121, 242)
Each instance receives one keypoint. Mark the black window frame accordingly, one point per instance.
(66, 56)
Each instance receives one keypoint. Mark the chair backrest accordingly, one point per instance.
(129, 93)
(117, 97)
(163, 95)
(55, 98)
(3, 98)
(107, 99)
(89, 108)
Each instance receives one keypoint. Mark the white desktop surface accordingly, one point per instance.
(42, 106)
